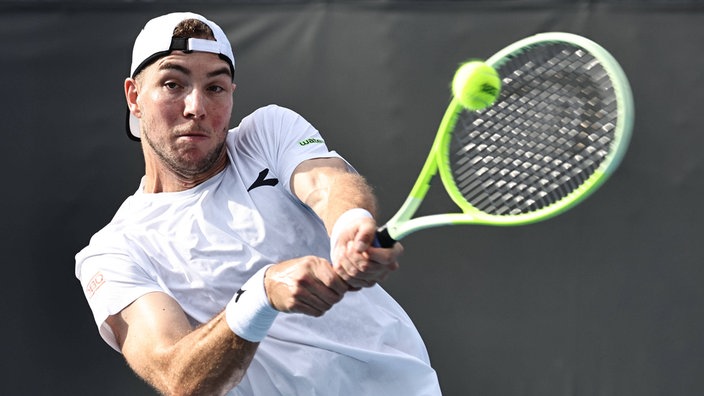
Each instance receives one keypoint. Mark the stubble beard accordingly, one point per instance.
(181, 164)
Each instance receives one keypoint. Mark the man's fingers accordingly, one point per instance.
(307, 285)
(365, 236)
(365, 269)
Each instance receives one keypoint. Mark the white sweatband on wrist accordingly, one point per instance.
(345, 219)
(249, 314)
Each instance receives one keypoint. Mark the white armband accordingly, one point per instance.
(249, 314)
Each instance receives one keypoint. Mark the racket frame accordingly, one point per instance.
(401, 224)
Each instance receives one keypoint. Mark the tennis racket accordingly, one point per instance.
(557, 131)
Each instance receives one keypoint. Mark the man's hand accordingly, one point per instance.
(354, 258)
(328, 187)
(307, 285)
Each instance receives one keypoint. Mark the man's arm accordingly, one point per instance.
(160, 345)
(326, 185)
(331, 190)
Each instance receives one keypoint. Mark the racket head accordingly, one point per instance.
(558, 130)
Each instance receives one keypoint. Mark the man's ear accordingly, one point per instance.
(131, 95)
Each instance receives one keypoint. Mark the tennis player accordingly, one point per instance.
(242, 265)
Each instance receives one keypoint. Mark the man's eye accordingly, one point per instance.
(216, 89)
(171, 85)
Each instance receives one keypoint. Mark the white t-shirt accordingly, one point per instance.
(200, 245)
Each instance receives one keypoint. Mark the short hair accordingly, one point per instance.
(193, 28)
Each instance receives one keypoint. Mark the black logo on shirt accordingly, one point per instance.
(263, 181)
(239, 294)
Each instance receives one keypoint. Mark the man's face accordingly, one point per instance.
(184, 103)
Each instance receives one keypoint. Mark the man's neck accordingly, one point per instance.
(159, 178)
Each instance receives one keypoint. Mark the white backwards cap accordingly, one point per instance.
(156, 40)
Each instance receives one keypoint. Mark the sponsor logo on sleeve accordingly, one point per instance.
(311, 141)
(94, 284)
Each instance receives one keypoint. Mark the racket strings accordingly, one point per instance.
(549, 131)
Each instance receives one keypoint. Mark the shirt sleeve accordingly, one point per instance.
(285, 139)
(111, 280)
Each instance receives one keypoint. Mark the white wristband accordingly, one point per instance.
(342, 221)
(249, 314)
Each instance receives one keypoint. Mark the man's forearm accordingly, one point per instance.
(217, 359)
(161, 347)
(341, 192)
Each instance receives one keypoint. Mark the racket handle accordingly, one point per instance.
(383, 239)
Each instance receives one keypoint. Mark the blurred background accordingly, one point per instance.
(605, 300)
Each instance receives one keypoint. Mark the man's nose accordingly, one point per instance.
(194, 104)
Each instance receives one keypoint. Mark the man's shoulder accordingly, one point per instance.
(273, 110)
(267, 125)
(268, 115)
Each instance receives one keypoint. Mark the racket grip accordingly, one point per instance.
(383, 239)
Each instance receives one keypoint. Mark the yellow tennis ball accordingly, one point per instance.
(476, 85)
